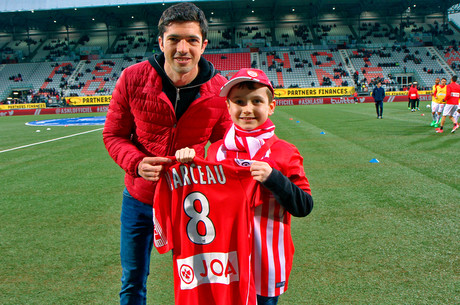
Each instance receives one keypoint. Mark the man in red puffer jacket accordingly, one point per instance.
(158, 106)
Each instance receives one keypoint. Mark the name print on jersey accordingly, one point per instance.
(195, 174)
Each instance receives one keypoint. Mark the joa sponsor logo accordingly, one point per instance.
(207, 268)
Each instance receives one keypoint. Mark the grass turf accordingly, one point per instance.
(380, 233)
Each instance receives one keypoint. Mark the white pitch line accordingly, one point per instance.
(56, 139)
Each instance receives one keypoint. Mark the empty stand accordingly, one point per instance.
(333, 32)
(293, 35)
(229, 61)
(305, 68)
(289, 53)
(132, 43)
(380, 63)
(53, 49)
(220, 38)
(253, 36)
(95, 77)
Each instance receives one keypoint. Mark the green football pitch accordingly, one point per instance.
(379, 233)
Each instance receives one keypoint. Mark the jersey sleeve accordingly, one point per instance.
(448, 90)
(162, 230)
(295, 171)
(290, 185)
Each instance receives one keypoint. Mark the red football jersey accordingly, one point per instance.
(273, 250)
(452, 93)
(203, 213)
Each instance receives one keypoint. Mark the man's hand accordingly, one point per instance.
(185, 155)
(150, 168)
(260, 171)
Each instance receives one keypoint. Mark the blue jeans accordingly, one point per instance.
(136, 243)
(266, 300)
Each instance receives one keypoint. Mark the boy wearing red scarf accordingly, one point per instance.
(276, 164)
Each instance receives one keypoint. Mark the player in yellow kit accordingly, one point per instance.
(438, 102)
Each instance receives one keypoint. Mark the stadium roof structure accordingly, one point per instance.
(217, 11)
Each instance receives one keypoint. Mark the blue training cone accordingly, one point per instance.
(322, 132)
(374, 161)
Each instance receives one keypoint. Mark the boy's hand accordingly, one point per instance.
(185, 155)
(150, 167)
(260, 171)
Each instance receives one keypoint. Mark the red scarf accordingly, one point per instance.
(244, 144)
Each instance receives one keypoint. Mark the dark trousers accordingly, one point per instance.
(379, 107)
(266, 300)
(412, 103)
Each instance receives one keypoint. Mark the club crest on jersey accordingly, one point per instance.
(187, 174)
(186, 274)
(208, 268)
(244, 162)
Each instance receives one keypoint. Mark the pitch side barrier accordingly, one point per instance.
(284, 97)
(343, 100)
(337, 95)
(65, 110)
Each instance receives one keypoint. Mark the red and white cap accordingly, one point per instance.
(245, 75)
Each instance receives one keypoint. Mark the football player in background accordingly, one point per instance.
(438, 103)
(452, 98)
